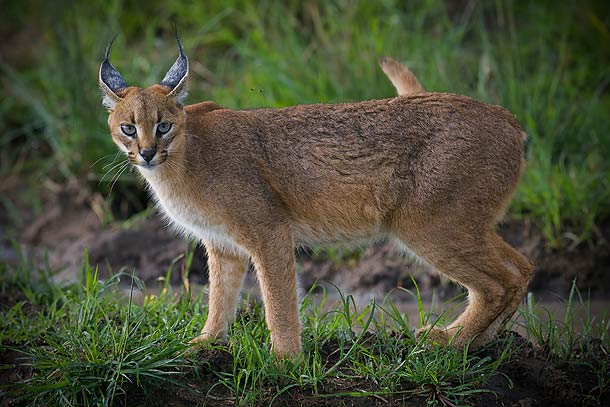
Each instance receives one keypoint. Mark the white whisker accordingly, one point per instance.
(118, 175)
(113, 160)
(114, 167)
(102, 158)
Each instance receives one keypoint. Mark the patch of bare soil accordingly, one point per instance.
(532, 378)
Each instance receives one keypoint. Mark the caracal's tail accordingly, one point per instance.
(401, 77)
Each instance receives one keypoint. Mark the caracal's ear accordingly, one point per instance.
(175, 78)
(111, 81)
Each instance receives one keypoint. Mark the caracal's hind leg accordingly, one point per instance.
(226, 274)
(476, 261)
(520, 265)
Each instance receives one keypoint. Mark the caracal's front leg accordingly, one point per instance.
(226, 274)
(275, 267)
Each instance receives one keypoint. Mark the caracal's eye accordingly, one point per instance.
(128, 130)
(163, 128)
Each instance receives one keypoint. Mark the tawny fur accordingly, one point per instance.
(431, 169)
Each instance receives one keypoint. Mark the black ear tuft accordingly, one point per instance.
(175, 78)
(109, 76)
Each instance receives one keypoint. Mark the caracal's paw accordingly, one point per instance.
(454, 336)
(208, 336)
(450, 336)
(286, 346)
(434, 335)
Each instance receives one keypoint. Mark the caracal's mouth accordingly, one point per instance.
(159, 159)
(148, 166)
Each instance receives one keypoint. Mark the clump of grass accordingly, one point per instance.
(85, 345)
(563, 342)
(560, 337)
(88, 344)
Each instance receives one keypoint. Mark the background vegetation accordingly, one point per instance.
(548, 62)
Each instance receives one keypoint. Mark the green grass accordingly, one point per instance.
(527, 56)
(89, 343)
(560, 336)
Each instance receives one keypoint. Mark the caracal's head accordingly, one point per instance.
(148, 124)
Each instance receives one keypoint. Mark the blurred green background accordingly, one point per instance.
(546, 61)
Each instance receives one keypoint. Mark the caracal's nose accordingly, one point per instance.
(148, 153)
